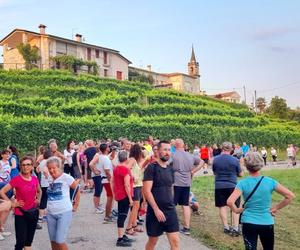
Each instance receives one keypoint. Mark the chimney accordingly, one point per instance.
(78, 38)
(149, 68)
(42, 28)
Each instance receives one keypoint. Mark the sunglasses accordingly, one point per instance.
(26, 164)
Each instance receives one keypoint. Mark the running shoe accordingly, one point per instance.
(108, 220)
(125, 238)
(1, 237)
(185, 231)
(123, 243)
(5, 233)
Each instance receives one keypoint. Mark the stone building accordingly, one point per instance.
(189, 83)
(110, 62)
(232, 96)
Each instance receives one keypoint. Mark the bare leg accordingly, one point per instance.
(62, 246)
(54, 245)
(3, 219)
(150, 245)
(133, 214)
(235, 220)
(186, 216)
(223, 215)
(173, 240)
(96, 201)
(109, 203)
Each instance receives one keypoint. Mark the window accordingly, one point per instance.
(105, 61)
(119, 75)
(97, 53)
(89, 54)
(105, 72)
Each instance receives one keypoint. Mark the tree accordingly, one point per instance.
(278, 108)
(294, 114)
(29, 53)
(261, 104)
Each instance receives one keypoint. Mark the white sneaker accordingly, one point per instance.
(5, 233)
(1, 237)
(99, 210)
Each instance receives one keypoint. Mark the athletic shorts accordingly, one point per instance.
(137, 193)
(205, 160)
(98, 185)
(181, 196)
(155, 228)
(108, 189)
(10, 193)
(222, 195)
(58, 226)
(43, 203)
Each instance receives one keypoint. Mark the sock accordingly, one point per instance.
(226, 227)
(236, 228)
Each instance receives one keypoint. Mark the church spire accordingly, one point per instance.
(193, 57)
(193, 65)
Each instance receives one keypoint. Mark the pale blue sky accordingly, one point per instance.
(253, 43)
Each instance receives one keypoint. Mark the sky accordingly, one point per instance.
(237, 43)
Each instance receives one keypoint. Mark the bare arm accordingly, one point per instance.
(39, 194)
(75, 184)
(149, 197)
(13, 163)
(127, 188)
(232, 199)
(93, 164)
(78, 161)
(197, 168)
(288, 197)
(4, 190)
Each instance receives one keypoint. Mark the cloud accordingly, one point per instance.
(272, 33)
(280, 49)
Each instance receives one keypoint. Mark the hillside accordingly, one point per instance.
(38, 105)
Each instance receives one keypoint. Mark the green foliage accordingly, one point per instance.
(73, 63)
(37, 105)
(29, 54)
(135, 76)
(278, 108)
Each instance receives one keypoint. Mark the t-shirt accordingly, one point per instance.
(26, 190)
(90, 153)
(162, 188)
(59, 195)
(119, 185)
(68, 156)
(44, 181)
(245, 149)
(274, 152)
(257, 208)
(216, 151)
(4, 171)
(290, 152)
(104, 163)
(204, 153)
(264, 153)
(225, 168)
(183, 163)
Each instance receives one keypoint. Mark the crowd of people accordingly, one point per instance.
(149, 177)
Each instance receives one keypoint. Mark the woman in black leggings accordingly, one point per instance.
(257, 214)
(122, 183)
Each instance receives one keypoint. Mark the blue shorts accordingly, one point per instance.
(58, 226)
(10, 193)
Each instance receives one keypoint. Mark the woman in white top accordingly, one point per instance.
(59, 205)
(274, 154)
(68, 152)
(264, 154)
(45, 180)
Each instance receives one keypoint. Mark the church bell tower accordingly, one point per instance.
(193, 65)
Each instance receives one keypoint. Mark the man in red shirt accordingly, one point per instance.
(122, 183)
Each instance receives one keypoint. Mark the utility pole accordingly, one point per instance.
(255, 101)
(245, 100)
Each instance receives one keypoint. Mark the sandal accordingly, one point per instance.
(137, 229)
(130, 231)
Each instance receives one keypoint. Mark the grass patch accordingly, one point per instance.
(208, 228)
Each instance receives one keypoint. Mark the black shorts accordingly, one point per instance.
(205, 160)
(221, 196)
(137, 193)
(44, 198)
(181, 195)
(155, 228)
